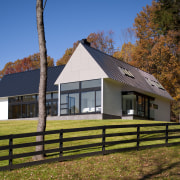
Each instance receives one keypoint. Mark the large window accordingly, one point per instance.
(81, 97)
(136, 104)
(27, 106)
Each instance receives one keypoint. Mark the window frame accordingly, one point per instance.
(80, 91)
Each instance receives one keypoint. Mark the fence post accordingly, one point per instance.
(167, 134)
(103, 140)
(10, 151)
(138, 136)
(61, 143)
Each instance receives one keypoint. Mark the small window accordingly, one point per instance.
(126, 72)
(154, 83)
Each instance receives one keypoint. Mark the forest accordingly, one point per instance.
(156, 50)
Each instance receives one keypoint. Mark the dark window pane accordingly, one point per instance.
(16, 111)
(29, 98)
(15, 99)
(48, 108)
(24, 111)
(98, 101)
(64, 98)
(55, 95)
(69, 86)
(91, 83)
(31, 110)
(54, 109)
(48, 96)
(98, 98)
(146, 107)
(74, 103)
(140, 106)
(10, 112)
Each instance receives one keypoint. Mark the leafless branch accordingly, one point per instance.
(44, 4)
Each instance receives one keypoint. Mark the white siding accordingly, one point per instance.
(3, 108)
(80, 67)
(112, 98)
(163, 111)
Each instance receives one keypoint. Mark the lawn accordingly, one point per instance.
(158, 162)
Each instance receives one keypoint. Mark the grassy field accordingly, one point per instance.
(23, 126)
(159, 163)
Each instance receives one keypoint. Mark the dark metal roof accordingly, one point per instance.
(28, 82)
(111, 65)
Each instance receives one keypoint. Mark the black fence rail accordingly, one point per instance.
(66, 144)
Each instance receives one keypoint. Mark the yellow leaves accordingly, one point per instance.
(126, 52)
(157, 53)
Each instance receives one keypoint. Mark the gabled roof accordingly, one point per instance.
(112, 67)
(28, 82)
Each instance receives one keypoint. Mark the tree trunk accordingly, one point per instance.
(43, 77)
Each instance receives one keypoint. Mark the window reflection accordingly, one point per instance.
(27, 106)
(81, 97)
(88, 102)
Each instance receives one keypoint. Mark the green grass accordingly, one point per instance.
(69, 169)
(157, 163)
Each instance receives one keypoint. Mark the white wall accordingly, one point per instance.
(80, 67)
(3, 108)
(163, 111)
(112, 98)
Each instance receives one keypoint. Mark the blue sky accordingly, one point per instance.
(66, 21)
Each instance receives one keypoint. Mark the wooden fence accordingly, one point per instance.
(116, 140)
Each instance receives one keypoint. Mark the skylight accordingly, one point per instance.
(126, 72)
(154, 83)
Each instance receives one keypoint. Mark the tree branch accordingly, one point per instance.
(44, 4)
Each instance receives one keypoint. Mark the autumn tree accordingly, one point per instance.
(28, 63)
(126, 52)
(101, 41)
(167, 16)
(168, 20)
(157, 50)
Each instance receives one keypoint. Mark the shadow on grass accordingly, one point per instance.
(160, 170)
(75, 151)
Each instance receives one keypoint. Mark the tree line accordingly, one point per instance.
(156, 50)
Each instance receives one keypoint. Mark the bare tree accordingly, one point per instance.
(43, 76)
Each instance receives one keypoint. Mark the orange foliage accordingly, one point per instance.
(158, 53)
(126, 52)
(25, 64)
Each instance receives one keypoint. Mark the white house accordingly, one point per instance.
(92, 85)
